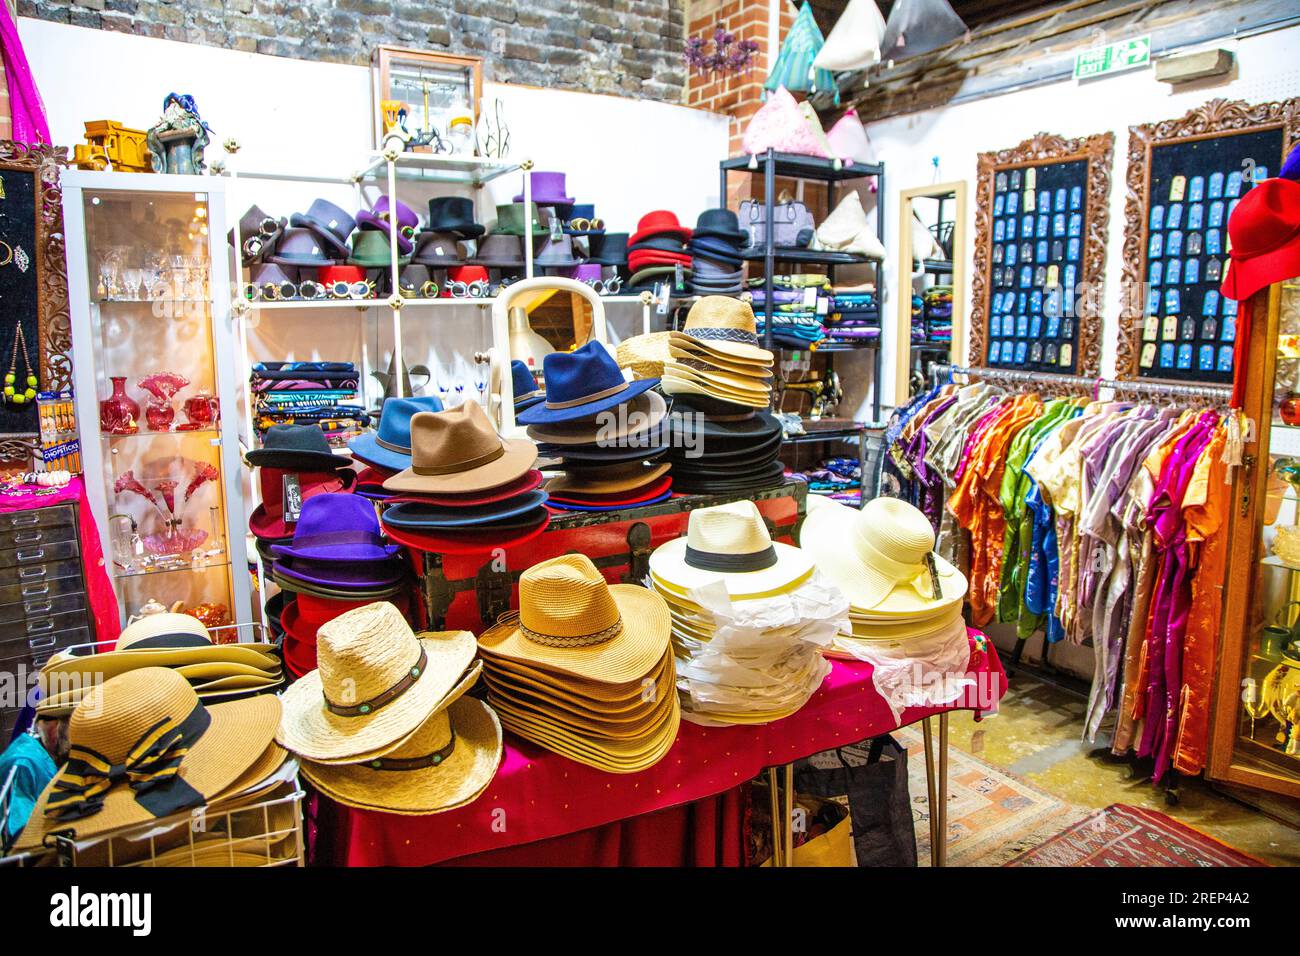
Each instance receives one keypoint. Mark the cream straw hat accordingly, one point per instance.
(376, 682)
(725, 324)
(645, 354)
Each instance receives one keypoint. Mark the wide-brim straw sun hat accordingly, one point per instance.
(596, 729)
(727, 325)
(611, 756)
(65, 669)
(167, 629)
(549, 697)
(446, 763)
(376, 681)
(712, 361)
(676, 384)
(570, 620)
(600, 696)
(879, 556)
(144, 747)
(722, 379)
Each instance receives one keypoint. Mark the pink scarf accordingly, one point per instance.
(29, 124)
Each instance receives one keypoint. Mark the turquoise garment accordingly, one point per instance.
(34, 770)
(793, 68)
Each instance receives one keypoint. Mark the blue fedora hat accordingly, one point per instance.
(412, 514)
(390, 446)
(580, 384)
(524, 386)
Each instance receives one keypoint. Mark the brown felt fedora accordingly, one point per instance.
(459, 451)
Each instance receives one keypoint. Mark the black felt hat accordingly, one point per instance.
(296, 447)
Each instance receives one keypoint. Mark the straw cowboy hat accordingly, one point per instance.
(572, 622)
(144, 747)
(376, 681)
(730, 543)
(645, 354)
(458, 451)
(879, 558)
(725, 324)
(596, 696)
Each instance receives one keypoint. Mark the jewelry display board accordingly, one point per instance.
(1185, 176)
(35, 335)
(1040, 250)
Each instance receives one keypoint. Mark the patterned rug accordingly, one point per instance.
(992, 815)
(1122, 835)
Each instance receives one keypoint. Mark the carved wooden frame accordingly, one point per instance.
(1209, 121)
(1043, 149)
(45, 163)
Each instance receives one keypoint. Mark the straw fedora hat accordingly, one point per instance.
(571, 621)
(446, 763)
(645, 354)
(880, 558)
(730, 543)
(707, 351)
(376, 681)
(717, 380)
(143, 747)
(726, 325)
(459, 451)
(597, 696)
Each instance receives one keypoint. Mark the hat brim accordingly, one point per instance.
(597, 456)
(364, 553)
(467, 541)
(733, 376)
(598, 728)
(611, 756)
(740, 350)
(1245, 277)
(385, 262)
(561, 505)
(531, 481)
(296, 460)
(792, 568)
(629, 655)
(351, 593)
(541, 414)
(385, 575)
(311, 730)
(302, 261)
(466, 230)
(366, 448)
(645, 414)
(739, 237)
(517, 459)
(419, 515)
(683, 233)
(597, 697)
(112, 663)
(675, 385)
(608, 482)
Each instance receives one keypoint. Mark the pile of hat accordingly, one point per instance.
(657, 251)
(467, 490)
(905, 601)
(202, 754)
(336, 561)
(750, 617)
(586, 668)
(605, 431)
(385, 724)
(717, 265)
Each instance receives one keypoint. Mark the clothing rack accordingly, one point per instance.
(1220, 393)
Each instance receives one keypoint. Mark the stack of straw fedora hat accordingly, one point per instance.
(385, 723)
(605, 430)
(716, 355)
(750, 617)
(585, 668)
(180, 642)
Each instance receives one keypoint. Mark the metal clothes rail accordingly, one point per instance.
(1221, 393)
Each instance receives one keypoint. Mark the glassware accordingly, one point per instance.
(163, 386)
(119, 414)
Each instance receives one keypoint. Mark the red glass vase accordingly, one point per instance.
(160, 416)
(119, 414)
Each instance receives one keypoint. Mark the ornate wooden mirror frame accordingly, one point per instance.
(1045, 149)
(1213, 119)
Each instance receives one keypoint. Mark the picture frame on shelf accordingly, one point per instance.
(440, 94)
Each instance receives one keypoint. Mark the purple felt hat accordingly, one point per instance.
(548, 190)
(300, 246)
(586, 272)
(341, 575)
(336, 527)
(377, 217)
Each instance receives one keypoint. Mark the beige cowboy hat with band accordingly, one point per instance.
(724, 325)
(458, 451)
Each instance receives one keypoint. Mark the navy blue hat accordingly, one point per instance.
(411, 514)
(390, 446)
(715, 249)
(580, 384)
(581, 211)
(524, 386)
(608, 249)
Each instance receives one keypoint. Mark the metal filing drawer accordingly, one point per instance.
(36, 554)
(59, 579)
(40, 606)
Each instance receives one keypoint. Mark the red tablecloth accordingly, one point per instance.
(538, 794)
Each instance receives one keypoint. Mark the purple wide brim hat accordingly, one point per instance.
(377, 218)
(340, 574)
(548, 190)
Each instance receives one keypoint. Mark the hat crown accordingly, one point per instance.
(333, 217)
(364, 652)
(467, 274)
(296, 438)
(271, 481)
(735, 528)
(299, 241)
(721, 312)
(585, 372)
(396, 414)
(459, 436)
(157, 625)
(892, 529)
(521, 378)
(116, 715)
(1267, 217)
(333, 512)
(566, 597)
(432, 736)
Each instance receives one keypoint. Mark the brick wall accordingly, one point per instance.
(627, 47)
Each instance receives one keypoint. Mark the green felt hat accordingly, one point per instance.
(371, 249)
(510, 220)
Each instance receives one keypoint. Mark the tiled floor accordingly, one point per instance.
(1037, 736)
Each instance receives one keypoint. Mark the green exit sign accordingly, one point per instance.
(1124, 55)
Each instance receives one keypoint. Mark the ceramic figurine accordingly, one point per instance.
(177, 141)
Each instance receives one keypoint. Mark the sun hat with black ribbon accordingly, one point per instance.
(390, 445)
(376, 682)
(143, 747)
(730, 543)
(581, 384)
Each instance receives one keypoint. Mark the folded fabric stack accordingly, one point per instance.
(793, 329)
(937, 304)
(657, 250)
(385, 723)
(586, 668)
(716, 356)
(323, 394)
(918, 318)
(466, 490)
(854, 316)
(837, 478)
(204, 760)
(905, 601)
(216, 672)
(336, 561)
(750, 618)
(606, 431)
(717, 265)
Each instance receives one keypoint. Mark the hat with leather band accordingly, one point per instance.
(524, 386)
(581, 384)
(390, 446)
(459, 451)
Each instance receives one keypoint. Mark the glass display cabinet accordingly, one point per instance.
(1255, 739)
(155, 384)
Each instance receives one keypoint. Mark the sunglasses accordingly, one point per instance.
(478, 289)
(342, 289)
(606, 286)
(585, 225)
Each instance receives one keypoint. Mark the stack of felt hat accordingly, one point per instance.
(586, 668)
(387, 450)
(750, 617)
(441, 243)
(608, 249)
(467, 490)
(338, 557)
(294, 464)
(718, 268)
(379, 219)
(385, 723)
(605, 429)
(216, 672)
(146, 751)
(658, 248)
(524, 386)
(716, 356)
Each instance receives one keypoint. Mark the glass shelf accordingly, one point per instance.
(119, 572)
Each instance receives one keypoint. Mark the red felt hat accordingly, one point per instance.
(331, 274)
(457, 541)
(529, 482)
(299, 655)
(1264, 237)
(267, 520)
(307, 612)
(636, 261)
(658, 223)
(467, 274)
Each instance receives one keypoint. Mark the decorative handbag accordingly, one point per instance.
(792, 223)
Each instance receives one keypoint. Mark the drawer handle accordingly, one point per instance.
(38, 627)
(37, 643)
(39, 662)
(40, 607)
(36, 590)
(30, 537)
(31, 554)
(24, 521)
(26, 574)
